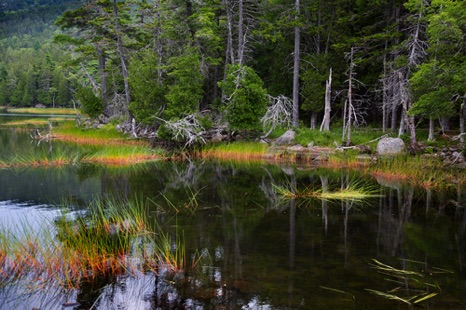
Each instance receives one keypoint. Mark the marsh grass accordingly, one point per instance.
(411, 287)
(107, 135)
(41, 158)
(112, 237)
(419, 171)
(354, 191)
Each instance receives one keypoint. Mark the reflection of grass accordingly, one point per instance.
(424, 172)
(237, 150)
(34, 122)
(118, 155)
(42, 111)
(112, 237)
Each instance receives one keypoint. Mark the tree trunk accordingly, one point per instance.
(229, 53)
(103, 82)
(393, 118)
(241, 42)
(159, 47)
(328, 96)
(431, 130)
(297, 49)
(313, 124)
(124, 70)
(462, 116)
(350, 110)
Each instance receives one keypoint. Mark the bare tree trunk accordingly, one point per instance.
(385, 102)
(103, 81)
(462, 116)
(412, 131)
(347, 131)
(297, 49)
(313, 124)
(229, 53)
(159, 47)
(124, 70)
(240, 32)
(328, 94)
(393, 118)
(431, 130)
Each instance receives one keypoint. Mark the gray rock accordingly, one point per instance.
(287, 138)
(390, 146)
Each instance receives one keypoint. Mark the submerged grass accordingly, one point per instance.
(112, 237)
(410, 287)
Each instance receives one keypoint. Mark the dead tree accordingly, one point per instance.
(349, 109)
(187, 129)
(328, 97)
(278, 113)
(296, 63)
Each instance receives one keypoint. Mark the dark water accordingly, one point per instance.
(261, 252)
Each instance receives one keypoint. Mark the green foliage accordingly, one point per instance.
(206, 121)
(185, 88)
(247, 98)
(90, 103)
(164, 133)
(148, 95)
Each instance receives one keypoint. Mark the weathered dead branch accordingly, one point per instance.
(279, 112)
(187, 129)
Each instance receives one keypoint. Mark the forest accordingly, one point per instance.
(398, 65)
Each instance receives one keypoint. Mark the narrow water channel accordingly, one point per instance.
(253, 249)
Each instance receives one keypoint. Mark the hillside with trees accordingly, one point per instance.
(394, 64)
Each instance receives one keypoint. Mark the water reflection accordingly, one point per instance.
(249, 249)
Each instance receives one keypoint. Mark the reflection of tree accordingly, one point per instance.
(391, 228)
(459, 235)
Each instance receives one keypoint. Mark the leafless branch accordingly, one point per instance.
(278, 113)
(187, 129)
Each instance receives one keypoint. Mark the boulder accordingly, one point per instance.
(287, 138)
(390, 146)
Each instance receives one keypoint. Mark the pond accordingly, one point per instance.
(248, 246)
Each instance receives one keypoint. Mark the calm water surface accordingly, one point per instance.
(261, 252)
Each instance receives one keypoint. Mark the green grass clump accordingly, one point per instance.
(354, 191)
(111, 237)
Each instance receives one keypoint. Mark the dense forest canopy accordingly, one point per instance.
(397, 64)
